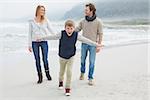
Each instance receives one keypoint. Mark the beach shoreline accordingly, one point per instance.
(121, 73)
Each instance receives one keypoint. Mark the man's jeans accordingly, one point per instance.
(92, 54)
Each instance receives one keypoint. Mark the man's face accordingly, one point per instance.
(69, 30)
(88, 12)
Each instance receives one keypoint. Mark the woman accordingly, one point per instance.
(39, 27)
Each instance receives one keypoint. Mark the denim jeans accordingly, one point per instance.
(36, 50)
(92, 54)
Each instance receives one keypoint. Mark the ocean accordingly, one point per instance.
(14, 36)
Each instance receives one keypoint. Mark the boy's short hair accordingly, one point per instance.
(70, 23)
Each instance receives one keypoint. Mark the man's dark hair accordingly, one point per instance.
(91, 7)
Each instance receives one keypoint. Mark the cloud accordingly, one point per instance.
(14, 9)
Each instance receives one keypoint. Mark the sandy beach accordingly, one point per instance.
(121, 73)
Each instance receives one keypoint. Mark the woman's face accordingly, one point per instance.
(41, 12)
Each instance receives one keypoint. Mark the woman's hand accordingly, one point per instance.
(30, 49)
(38, 40)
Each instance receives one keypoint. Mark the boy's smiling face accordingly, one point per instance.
(69, 30)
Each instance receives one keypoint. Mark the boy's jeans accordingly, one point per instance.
(36, 50)
(66, 64)
(92, 54)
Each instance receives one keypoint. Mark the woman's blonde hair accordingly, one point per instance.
(37, 9)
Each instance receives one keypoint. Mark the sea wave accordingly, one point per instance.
(14, 37)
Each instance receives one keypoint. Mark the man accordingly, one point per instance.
(93, 30)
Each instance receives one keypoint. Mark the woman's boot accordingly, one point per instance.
(48, 75)
(40, 78)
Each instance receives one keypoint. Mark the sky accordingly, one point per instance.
(15, 9)
(24, 9)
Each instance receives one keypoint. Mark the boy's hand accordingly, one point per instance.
(38, 40)
(30, 49)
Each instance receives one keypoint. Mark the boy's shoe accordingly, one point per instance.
(61, 85)
(91, 82)
(67, 92)
(82, 76)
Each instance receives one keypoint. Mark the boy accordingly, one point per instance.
(67, 50)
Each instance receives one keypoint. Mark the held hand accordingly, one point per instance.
(98, 47)
(38, 40)
(30, 49)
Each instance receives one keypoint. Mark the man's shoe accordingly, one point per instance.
(91, 83)
(82, 76)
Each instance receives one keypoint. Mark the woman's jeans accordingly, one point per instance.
(36, 50)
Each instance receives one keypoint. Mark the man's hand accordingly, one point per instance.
(30, 49)
(98, 47)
